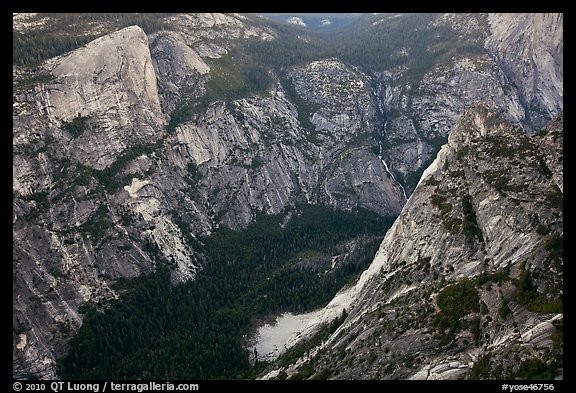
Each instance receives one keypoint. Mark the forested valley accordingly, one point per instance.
(199, 330)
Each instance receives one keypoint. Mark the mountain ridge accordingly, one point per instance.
(459, 257)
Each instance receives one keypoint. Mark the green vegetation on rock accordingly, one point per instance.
(455, 302)
(76, 126)
(528, 295)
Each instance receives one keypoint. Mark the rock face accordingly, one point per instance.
(112, 81)
(452, 291)
(175, 62)
(106, 182)
(343, 110)
(254, 154)
(529, 47)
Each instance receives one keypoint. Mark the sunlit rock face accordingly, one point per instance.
(112, 81)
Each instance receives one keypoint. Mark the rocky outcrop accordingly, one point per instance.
(245, 160)
(112, 82)
(339, 94)
(177, 67)
(342, 114)
(448, 290)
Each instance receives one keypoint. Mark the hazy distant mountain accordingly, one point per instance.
(315, 21)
